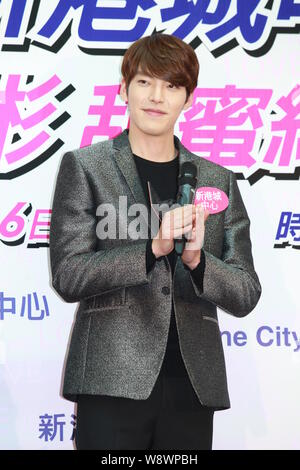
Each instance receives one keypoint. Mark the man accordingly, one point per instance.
(146, 363)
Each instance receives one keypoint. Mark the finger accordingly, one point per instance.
(195, 217)
(195, 230)
(206, 214)
(198, 230)
(184, 216)
(177, 232)
(191, 235)
(200, 227)
(186, 209)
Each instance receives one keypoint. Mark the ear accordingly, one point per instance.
(189, 101)
(123, 93)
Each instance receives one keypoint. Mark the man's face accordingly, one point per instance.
(149, 94)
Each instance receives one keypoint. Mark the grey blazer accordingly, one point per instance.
(120, 331)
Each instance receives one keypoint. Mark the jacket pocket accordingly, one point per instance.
(111, 299)
(211, 319)
(211, 345)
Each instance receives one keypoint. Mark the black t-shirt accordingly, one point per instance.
(163, 177)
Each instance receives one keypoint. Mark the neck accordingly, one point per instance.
(158, 148)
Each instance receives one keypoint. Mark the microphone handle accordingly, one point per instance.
(186, 196)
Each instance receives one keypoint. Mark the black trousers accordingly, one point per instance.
(171, 418)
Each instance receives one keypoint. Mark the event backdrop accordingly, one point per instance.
(59, 83)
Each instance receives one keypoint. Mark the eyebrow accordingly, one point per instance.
(144, 74)
(148, 76)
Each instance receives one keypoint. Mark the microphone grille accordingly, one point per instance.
(188, 174)
(189, 168)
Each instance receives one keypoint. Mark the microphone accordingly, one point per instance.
(187, 181)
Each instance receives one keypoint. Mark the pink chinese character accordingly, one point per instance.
(105, 112)
(227, 123)
(11, 118)
(284, 141)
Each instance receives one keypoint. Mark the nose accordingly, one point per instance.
(156, 93)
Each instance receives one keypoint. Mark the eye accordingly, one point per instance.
(171, 85)
(142, 81)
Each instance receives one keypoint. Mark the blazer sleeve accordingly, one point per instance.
(231, 282)
(78, 269)
(198, 272)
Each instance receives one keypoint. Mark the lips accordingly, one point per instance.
(154, 112)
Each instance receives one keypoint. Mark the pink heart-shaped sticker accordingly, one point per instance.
(211, 198)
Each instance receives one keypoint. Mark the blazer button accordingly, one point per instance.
(165, 290)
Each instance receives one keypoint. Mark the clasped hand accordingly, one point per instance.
(188, 220)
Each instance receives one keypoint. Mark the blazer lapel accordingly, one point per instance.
(126, 164)
(125, 161)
